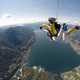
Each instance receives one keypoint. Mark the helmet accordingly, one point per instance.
(52, 19)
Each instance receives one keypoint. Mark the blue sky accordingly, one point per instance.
(40, 8)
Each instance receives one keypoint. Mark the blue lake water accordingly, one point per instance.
(53, 56)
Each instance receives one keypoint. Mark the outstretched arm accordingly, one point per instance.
(73, 29)
(44, 26)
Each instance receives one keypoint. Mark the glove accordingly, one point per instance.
(40, 27)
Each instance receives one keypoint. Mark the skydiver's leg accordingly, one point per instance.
(53, 38)
(59, 33)
(64, 35)
(48, 34)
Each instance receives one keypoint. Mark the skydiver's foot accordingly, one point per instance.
(54, 38)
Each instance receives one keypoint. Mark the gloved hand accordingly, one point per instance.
(40, 27)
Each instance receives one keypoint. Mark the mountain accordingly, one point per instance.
(14, 44)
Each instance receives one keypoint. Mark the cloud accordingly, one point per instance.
(9, 19)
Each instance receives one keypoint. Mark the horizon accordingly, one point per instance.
(8, 19)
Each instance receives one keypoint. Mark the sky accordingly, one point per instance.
(41, 9)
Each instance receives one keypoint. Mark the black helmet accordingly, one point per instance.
(52, 19)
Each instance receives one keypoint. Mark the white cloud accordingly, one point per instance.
(8, 19)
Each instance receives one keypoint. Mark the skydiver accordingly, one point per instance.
(52, 27)
(63, 31)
